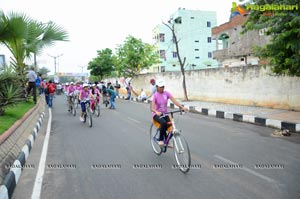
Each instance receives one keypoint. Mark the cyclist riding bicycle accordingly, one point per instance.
(160, 107)
(70, 94)
(84, 97)
(96, 96)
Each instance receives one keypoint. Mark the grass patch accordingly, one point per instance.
(13, 114)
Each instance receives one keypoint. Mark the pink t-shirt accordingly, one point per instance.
(96, 92)
(78, 87)
(84, 94)
(161, 101)
(71, 89)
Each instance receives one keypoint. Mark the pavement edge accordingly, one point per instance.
(12, 177)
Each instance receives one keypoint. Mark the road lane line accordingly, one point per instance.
(37, 188)
(247, 169)
(136, 121)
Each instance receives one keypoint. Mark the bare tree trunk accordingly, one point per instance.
(181, 63)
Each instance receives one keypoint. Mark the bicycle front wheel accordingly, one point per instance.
(154, 139)
(182, 153)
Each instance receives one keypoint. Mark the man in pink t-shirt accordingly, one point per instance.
(160, 106)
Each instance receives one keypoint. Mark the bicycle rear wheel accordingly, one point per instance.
(154, 139)
(89, 114)
(182, 153)
(73, 110)
(97, 110)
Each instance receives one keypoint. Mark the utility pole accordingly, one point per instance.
(55, 62)
(82, 67)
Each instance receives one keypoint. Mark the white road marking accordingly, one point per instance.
(136, 121)
(247, 169)
(36, 193)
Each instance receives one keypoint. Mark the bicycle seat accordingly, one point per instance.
(157, 125)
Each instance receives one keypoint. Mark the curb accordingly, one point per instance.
(12, 177)
(238, 117)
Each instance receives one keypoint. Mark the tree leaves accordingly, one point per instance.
(133, 56)
(284, 29)
(102, 65)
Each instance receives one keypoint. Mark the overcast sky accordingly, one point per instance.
(97, 24)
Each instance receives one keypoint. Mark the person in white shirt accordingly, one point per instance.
(142, 96)
(31, 76)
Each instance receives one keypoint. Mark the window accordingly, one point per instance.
(197, 57)
(209, 55)
(162, 69)
(192, 17)
(174, 54)
(208, 24)
(162, 37)
(196, 41)
(162, 54)
(208, 39)
(196, 49)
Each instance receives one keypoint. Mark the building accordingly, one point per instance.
(193, 31)
(234, 48)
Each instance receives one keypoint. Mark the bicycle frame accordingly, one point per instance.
(181, 149)
(172, 132)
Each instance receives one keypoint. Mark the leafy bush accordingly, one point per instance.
(10, 89)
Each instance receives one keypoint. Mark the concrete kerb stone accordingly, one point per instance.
(12, 177)
(293, 127)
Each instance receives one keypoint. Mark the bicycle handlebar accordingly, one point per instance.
(172, 112)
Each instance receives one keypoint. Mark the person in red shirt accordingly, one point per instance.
(49, 93)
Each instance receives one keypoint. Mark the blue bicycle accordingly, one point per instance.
(180, 146)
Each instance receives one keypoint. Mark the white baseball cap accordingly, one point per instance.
(85, 85)
(160, 83)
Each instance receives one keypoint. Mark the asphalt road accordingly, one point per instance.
(230, 159)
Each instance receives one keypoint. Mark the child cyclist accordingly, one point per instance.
(160, 106)
(84, 97)
(96, 96)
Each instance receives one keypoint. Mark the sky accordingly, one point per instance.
(97, 24)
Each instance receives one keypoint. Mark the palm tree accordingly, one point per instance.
(24, 36)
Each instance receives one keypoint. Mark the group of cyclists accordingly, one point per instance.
(92, 93)
(89, 93)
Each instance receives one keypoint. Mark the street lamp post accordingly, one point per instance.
(55, 62)
(82, 67)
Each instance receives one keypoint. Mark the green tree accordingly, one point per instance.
(283, 51)
(24, 36)
(103, 64)
(133, 56)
